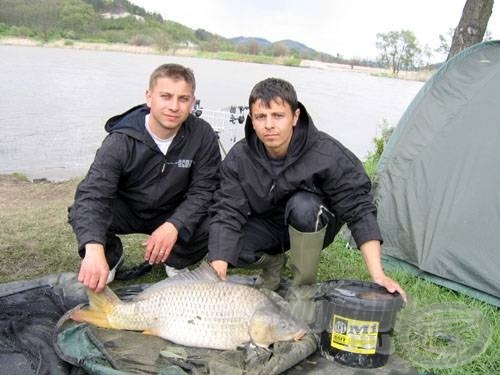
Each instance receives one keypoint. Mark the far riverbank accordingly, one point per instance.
(421, 76)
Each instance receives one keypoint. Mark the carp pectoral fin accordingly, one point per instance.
(260, 334)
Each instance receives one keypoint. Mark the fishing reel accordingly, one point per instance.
(197, 109)
(221, 120)
(242, 110)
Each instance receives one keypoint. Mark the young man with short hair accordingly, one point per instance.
(154, 173)
(288, 186)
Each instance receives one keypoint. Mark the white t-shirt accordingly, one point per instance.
(163, 144)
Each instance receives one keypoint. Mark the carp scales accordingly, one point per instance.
(196, 309)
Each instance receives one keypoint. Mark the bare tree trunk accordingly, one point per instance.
(472, 25)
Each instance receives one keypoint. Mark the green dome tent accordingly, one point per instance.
(437, 187)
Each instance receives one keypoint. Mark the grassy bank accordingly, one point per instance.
(36, 240)
(122, 47)
(241, 57)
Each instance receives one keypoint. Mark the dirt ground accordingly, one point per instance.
(17, 193)
(35, 238)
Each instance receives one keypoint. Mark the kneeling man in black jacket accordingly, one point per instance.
(155, 173)
(288, 186)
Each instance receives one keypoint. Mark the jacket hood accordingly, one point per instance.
(130, 122)
(304, 136)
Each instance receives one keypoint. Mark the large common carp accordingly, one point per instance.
(196, 309)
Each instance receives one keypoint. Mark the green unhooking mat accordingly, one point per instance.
(36, 337)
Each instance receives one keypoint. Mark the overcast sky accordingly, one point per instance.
(345, 27)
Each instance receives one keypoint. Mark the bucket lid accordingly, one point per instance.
(361, 294)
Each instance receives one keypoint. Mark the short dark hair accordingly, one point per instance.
(174, 71)
(271, 89)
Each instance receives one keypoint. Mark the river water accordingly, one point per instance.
(55, 102)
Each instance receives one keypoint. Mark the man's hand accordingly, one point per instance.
(159, 245)
(371, 253)
(94, 269)
(220, 266)
(391, 286)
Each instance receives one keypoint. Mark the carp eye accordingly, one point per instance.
(282, 324)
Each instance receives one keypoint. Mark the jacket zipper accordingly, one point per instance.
(272, 187)
(165, 156)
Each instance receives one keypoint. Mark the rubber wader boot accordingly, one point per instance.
(305, 251)
(271, 266)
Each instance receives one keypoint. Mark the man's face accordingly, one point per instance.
(170, 101)
(274, 125)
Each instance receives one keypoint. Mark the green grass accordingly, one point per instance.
(424, 295)
(384, 74)
(36, 240)
(20, 176)
(259, 59)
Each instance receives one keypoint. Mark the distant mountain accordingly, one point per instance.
(290, 44)
(247, 40)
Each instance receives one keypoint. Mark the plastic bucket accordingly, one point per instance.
(359, 317)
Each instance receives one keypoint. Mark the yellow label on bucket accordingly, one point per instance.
(355, 336)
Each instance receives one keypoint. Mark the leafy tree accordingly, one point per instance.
(241, 48)
(472, 25)
(3, 28)
(254, 48)
(141, 40)
(410, 50)
(122, 23)
(39, 15)
(426, 55)
(398, 50)
(98, 5)
(116, 6)
(213, 45)
(444, 42)
(164, 43)
(77, 16)
(177, 31)
(278, 49)
(203, 35)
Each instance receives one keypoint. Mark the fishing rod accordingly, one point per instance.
(219, 119)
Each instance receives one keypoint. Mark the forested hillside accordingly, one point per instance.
(120, 21)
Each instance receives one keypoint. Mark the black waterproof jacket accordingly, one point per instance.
(316, 162)
(130, 166)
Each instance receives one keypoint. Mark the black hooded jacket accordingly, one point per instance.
(130, 166)
(315, 162)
